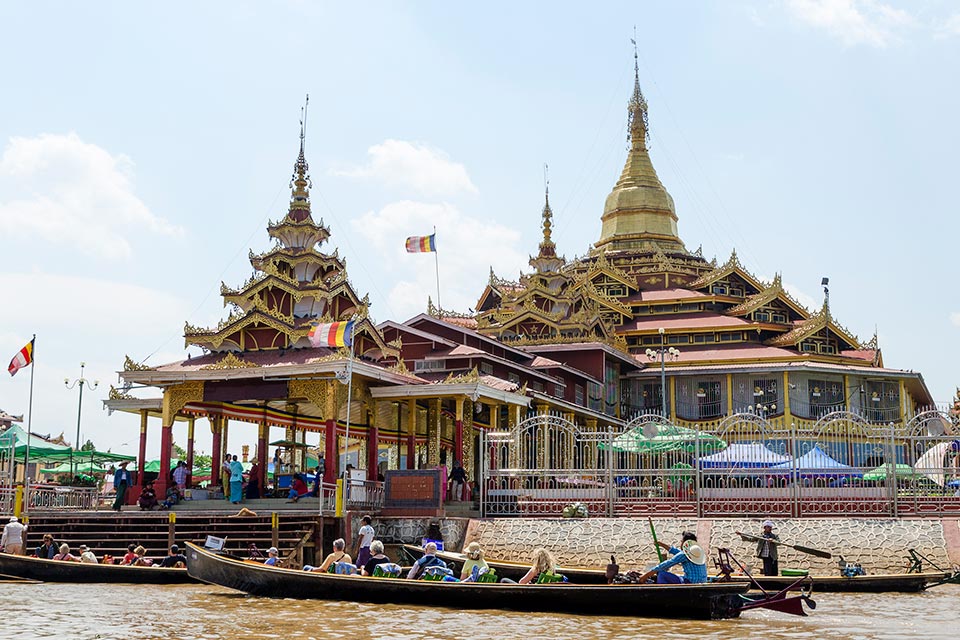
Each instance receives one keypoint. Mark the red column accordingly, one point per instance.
(262, 439)
(331, 453)
(216, 456)
(190, 434)
(412, 434)
(373, 449)
(141, 459)
(166, 444)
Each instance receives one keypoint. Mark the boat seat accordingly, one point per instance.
(550, 578)
(387, 570)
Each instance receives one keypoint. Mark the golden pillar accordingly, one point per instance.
(787, 416)
(434, 431)
(729, 394)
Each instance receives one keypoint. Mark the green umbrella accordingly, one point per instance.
(80, 467)
(669, 438)
(880, 473)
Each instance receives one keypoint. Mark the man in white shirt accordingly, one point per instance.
(13, 534)
(87, 556)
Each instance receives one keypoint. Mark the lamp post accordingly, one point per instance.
(663, 353)
(79, 382)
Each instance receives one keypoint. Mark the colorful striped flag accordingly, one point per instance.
(422, 244)
(333, 334)
(23, 359)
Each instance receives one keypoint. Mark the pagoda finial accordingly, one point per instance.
(638, 124)
(547, 248)
(300, 183)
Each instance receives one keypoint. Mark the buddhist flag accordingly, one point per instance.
(422, 244)
(23, 359)
(333, 334)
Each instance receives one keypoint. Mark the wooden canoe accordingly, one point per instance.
(880, 583)
(29, 568)
(697, 601)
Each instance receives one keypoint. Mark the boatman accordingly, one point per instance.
(767, 549)
(690, 556)
(13, 536)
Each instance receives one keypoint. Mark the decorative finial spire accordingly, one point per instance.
(547, 248)
(638, 125)
(300, 183)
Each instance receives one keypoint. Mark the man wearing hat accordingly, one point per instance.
(13, 534)
(272, 558)
(121, 481)
(86, 555)
(175, 559)
(690, 556)
(767, 549)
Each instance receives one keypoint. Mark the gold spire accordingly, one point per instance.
(547, 247)
(639, 214)
(300, 183)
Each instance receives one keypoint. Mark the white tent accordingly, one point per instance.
(743, 456)
(932, 462)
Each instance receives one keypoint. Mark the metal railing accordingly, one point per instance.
(50, 498)
(363, 495)
(8, 497)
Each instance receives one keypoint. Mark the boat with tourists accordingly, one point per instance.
(879, 583)
(696, 601)
(41, 569)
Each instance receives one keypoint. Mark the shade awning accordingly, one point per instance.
(743, 456)
(669, 438)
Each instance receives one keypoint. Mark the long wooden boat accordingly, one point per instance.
(880, 583)
(698, 601)
(29, 568)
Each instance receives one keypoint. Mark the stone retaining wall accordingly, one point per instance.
(879, 545)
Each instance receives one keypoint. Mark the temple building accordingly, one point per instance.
(569, 338)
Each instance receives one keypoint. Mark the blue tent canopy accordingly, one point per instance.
(817, 463)
(743, 456)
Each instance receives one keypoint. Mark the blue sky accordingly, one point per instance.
(145, 147)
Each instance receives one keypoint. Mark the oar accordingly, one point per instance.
(746, 537)
(653, 532)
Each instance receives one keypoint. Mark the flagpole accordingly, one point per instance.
(349, 398)
(436, 264)
(26, 455)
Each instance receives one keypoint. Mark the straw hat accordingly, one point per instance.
(694, 551)
(768, 523)
(473, 551)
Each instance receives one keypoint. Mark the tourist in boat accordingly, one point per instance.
(767, 550)
(65, 554)
(474, 560)
(542, 562)
(140, 561)
(86, 555)
(148, 498)
(298, 488)
(175, 560)
(130, 556)
(13, 535)
(121, 482)
(273, 558)
(236, 480)
(364, 538)
(377, 556)
(225, 474)
(429, 559)
(690, 556)
(339, 555)
(253, 483)
(47, 549)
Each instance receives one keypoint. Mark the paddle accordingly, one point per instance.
(746, 537)
(653, 532)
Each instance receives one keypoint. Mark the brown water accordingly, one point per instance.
(138, 612)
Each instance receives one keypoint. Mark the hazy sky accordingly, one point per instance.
(145, 147)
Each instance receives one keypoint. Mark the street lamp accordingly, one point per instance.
(79, 382)
(663, 353)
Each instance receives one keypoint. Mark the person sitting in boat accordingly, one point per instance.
(377, 556)
(65, 554)
(429, 559)
(130, 555)
(173, 497)
(175, 560)
(298, 488)
(542, 562)
(48, 549)
(273, 557)
(338, 555)
(690, 556)
(148, 498)
(87, 556)
(474, 560)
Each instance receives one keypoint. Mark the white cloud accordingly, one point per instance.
(426, 170)
(854, 22)
(949, 27)
(955, 318)
(69, 192)
(467, 248)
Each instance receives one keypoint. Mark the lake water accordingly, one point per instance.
(143, 612)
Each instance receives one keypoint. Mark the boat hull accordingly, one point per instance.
(28, 568)
(880, 583)
(700, 601)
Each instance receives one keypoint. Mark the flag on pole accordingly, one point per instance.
(422, 244)
(23, 359)
(333, 334)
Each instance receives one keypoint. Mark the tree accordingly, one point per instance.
(88, 446)
(200, 459)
